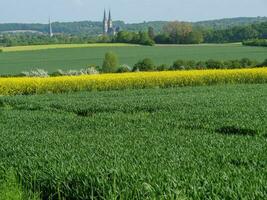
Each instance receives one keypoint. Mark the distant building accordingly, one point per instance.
(108, 28)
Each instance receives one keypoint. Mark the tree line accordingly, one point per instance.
(236, 34)
(171, 33)
(22, 39)
(256, 42)
(184, 33)
(111, 64)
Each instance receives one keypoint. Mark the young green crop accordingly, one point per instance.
(139, 144)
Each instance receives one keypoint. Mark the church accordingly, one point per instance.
(108, 28)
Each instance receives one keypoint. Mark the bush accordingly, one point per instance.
(227, 64)
(214, 64)
(178, 65)
(35, 73)
(68, 73)
(183, 64)
(246, 62)
(96, 67)
(110, 63)
(87, 71)
(233, 64)
(243, 63)
(264, 63)
(190, 64)
(57, 73)
(201, 65)
(256, 42)
(1, 50)
(163, 67)
(124, 69)
(144, 65)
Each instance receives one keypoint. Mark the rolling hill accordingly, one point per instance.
(95, 28)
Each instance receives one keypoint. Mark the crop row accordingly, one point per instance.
(14, 86)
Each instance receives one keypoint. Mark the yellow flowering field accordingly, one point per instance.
(63, 46)
(139, 80)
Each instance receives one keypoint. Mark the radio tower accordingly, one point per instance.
(50, 29)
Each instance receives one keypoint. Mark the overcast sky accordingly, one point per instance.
(29, 11)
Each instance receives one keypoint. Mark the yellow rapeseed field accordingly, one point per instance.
(62, 46)
(26, 85)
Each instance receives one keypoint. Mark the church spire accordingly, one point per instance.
(105, 16)
(109, 16)
(105, 24)
(110, 26)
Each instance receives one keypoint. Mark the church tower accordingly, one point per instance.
(110, 25)
(105, 24)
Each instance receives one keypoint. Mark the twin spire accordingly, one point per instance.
(105, 16)
(109, 16)
(107, 24)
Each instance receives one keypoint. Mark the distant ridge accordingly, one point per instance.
(95, 28)
(230, 22)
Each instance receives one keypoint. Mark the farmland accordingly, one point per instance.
(205, 142)
(135, 80)
(62, 46)
(18, 59)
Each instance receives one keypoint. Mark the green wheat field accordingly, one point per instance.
(14, 60)
(205, 142)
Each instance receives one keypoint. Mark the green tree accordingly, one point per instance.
(110, 63)
(125, 37)
(144, 39)
(163, 39)
(195, 37)
(151, 33)
(178, 31)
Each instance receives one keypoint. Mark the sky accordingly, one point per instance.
(130, 11)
